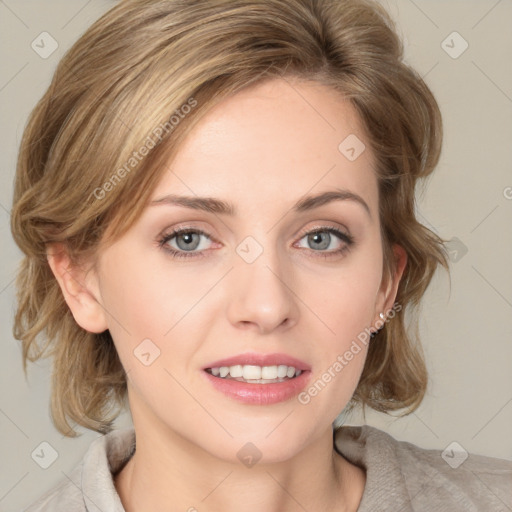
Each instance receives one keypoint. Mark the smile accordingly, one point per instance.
(259, 391)
(255, 374)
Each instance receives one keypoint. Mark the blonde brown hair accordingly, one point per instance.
(116, 90)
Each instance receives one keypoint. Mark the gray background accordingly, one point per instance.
(466, 332)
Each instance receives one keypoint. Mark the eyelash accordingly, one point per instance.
(348, 239)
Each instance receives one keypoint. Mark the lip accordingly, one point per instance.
(256, 359)
(259, 394)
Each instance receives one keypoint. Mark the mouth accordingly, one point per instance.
(259, 379)
(253, 374)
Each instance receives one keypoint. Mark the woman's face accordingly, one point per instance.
(256, 285)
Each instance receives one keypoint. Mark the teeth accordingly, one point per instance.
(251, 372)
(282, 370)
(269, 372)
(256, 374)
(236, 371)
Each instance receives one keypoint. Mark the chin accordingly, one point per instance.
(253, 440)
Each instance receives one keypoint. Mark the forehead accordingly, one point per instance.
(276, 139)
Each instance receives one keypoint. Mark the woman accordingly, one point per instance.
(216, 204)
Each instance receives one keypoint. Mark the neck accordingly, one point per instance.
(168, 470)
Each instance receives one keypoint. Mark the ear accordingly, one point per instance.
(79, 287)
(389, 287)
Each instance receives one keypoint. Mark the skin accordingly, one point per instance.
(273, 137)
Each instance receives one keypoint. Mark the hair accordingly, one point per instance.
(123, 98)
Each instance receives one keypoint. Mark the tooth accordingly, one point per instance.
(290, 372)
(236, 371)
(251, 372)
(282, 371)
(256, 374)
(269, 372)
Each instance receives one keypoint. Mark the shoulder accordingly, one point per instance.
(90, 486)
(403, 476)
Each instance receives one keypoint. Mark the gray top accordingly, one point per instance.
(400, 476)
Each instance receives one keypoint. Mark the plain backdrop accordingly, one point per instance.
(466, 331)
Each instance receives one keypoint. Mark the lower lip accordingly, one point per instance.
(260, 394)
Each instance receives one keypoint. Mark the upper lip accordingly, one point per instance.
(256, 359)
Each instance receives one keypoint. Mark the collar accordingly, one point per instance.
(376, 452)
(367, 447)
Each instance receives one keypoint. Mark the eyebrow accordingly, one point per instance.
(212, 205)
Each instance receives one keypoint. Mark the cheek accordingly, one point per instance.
(347, 300)
(351, 310)
(159, 315)
(144, 301)
(346, 305)
(340, 361)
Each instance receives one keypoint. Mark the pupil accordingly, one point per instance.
(317, 239)
(188, 239)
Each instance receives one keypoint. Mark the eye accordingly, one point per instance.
(322, 238)
(188, 240)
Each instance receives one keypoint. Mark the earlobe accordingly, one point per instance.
(388, 293)
(75, 285)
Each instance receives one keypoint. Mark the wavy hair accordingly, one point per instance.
(121, 84)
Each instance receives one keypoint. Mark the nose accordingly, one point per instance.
(261, 296)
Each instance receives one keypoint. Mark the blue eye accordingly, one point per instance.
(323, 238)
(188, 242)
(190, 238)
